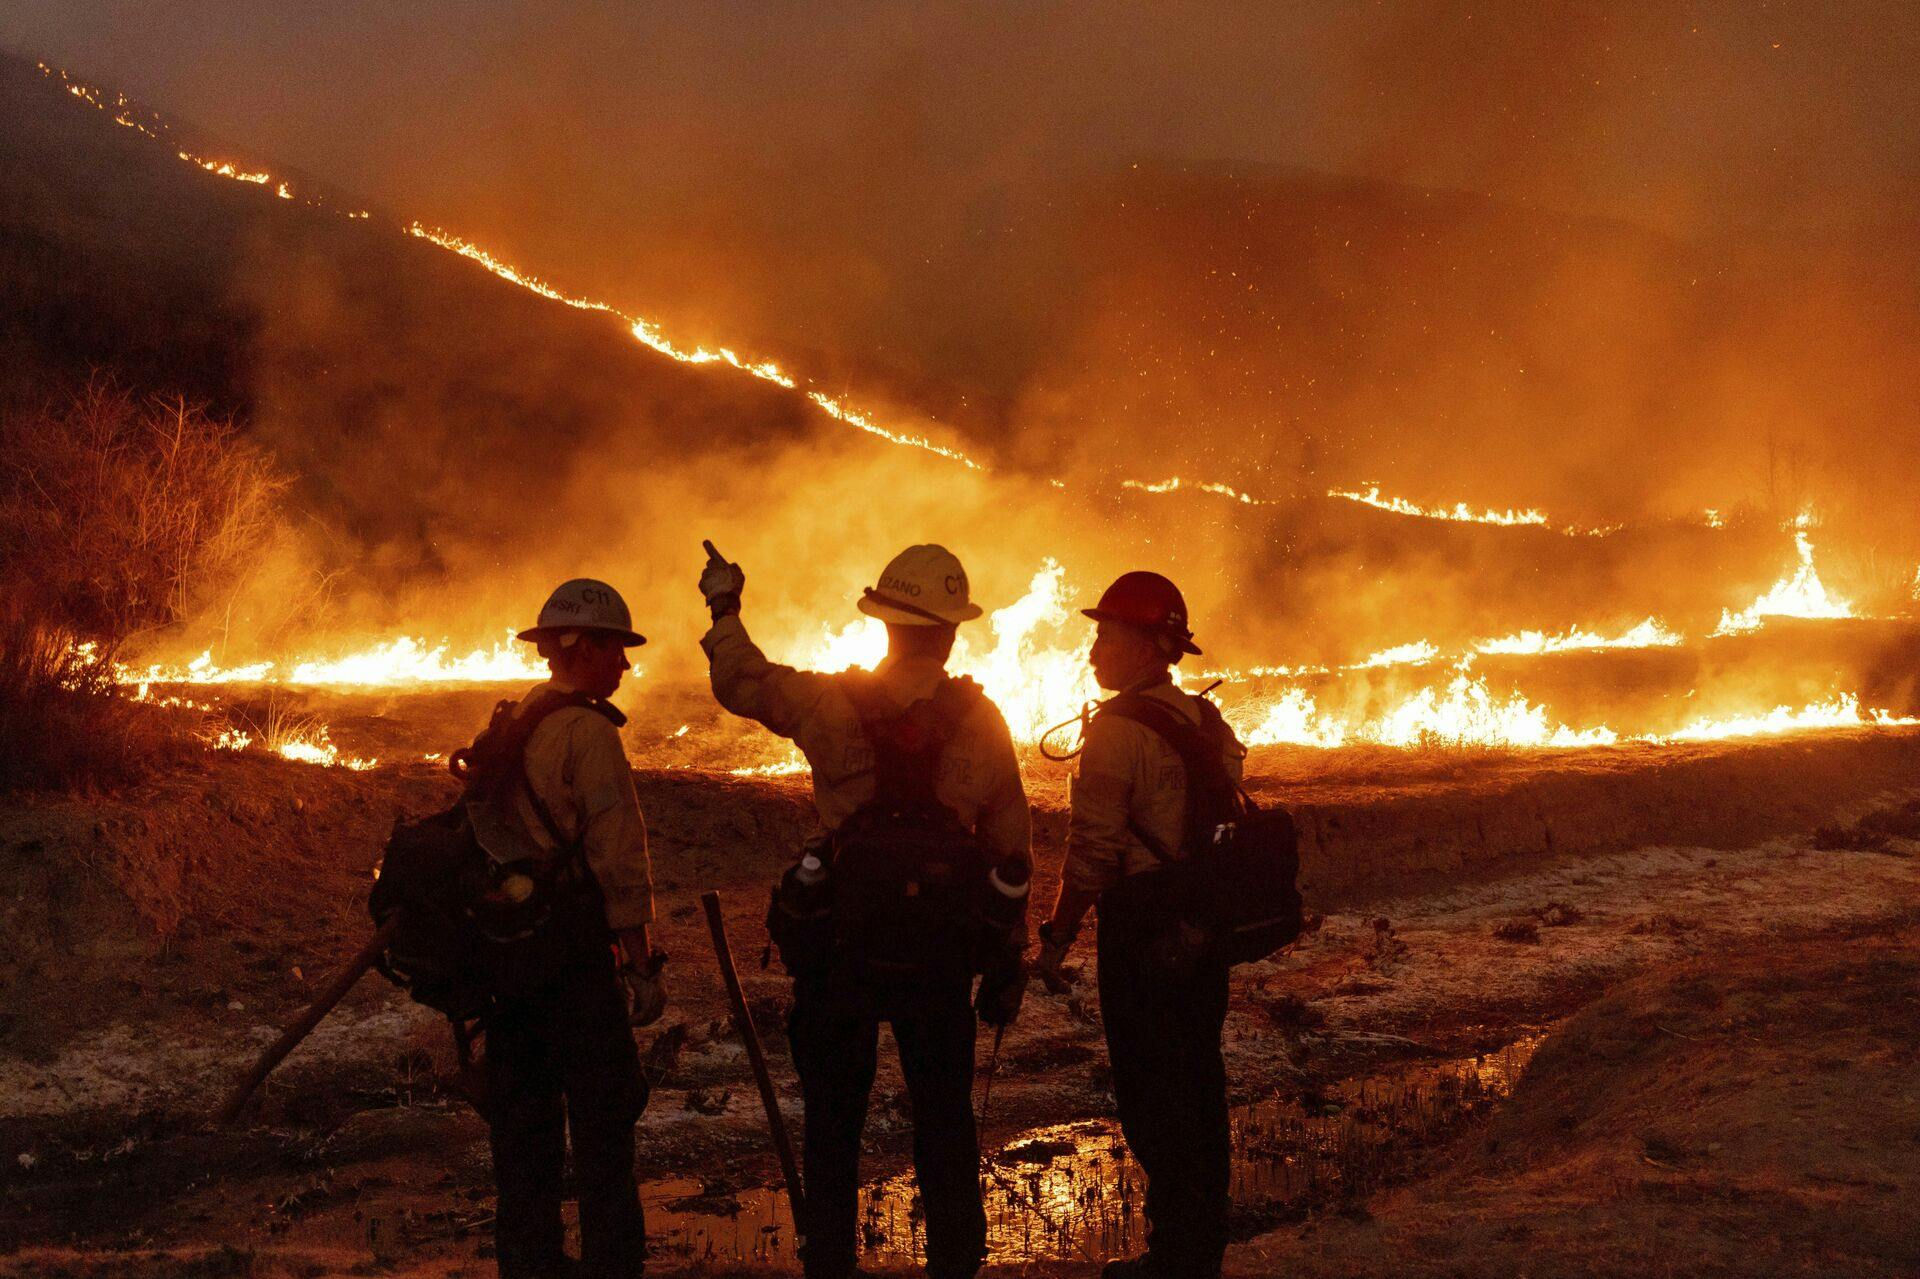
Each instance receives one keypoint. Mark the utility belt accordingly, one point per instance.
(902, 890)
(573, 935)
(832, 914)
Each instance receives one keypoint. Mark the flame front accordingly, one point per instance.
(395, 662)
(1648, 634)
(1463, 712)
(1032, 660)
(1801, 594)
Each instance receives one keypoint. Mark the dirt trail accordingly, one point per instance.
(118, 1041)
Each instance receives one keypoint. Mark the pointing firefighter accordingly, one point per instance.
(1163, 988)
(917, 882)
(560, 1053)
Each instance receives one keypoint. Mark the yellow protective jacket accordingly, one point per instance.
(577, 766)
(978, 777)
(1129, 774)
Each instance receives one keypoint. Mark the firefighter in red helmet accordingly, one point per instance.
(1163, 998)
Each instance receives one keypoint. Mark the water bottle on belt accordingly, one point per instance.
(800, 918)
(805, 888)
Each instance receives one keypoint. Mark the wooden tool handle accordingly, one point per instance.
(743, 1022)
(302, 1026)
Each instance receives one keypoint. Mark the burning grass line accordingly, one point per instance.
(301, 738)
(1800, 594)
(1463, 712)
(649, 334)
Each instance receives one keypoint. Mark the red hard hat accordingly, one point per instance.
(1148, 601)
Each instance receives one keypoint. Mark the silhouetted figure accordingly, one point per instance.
(1163, 991)
(917, 881)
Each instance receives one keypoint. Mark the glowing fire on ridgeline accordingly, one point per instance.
(649, 334)
(1034, 665)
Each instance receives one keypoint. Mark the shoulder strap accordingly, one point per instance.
(547, 705)
(498, 758)
(909, 741)
(1197, 745)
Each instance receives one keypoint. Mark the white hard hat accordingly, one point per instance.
(921, 586)
(584, 605)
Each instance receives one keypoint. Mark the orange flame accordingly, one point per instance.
(1648, 634)
(1800, 594)
(1033, 668)
(392, 662)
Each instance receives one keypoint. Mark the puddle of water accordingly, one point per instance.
(1072, 1191)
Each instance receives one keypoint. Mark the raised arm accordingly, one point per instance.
(744, 680)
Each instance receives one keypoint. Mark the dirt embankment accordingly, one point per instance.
(1413, 823)
(242, 882)
(1747, 1113)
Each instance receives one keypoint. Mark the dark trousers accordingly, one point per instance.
(835, 1033)
(1163, 1038)
(559, 1058)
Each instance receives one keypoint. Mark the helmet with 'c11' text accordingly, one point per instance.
(584, 604)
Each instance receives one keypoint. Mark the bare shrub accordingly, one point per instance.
(118, 516)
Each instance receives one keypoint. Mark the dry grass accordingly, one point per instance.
(118, 516)
(64, 724)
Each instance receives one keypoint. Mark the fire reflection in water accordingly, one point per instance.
(1072, 1191)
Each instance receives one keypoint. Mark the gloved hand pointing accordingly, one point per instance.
(721, 583)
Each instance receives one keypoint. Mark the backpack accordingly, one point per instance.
(1235, 880)
(909, 879)
(475, 927)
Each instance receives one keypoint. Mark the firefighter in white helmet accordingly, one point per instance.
(560, 1051)
(917, 882)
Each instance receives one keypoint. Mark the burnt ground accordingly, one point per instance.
(155, 939)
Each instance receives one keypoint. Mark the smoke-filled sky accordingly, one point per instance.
(1679, 113)
(1120, 236)
(894, 192)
